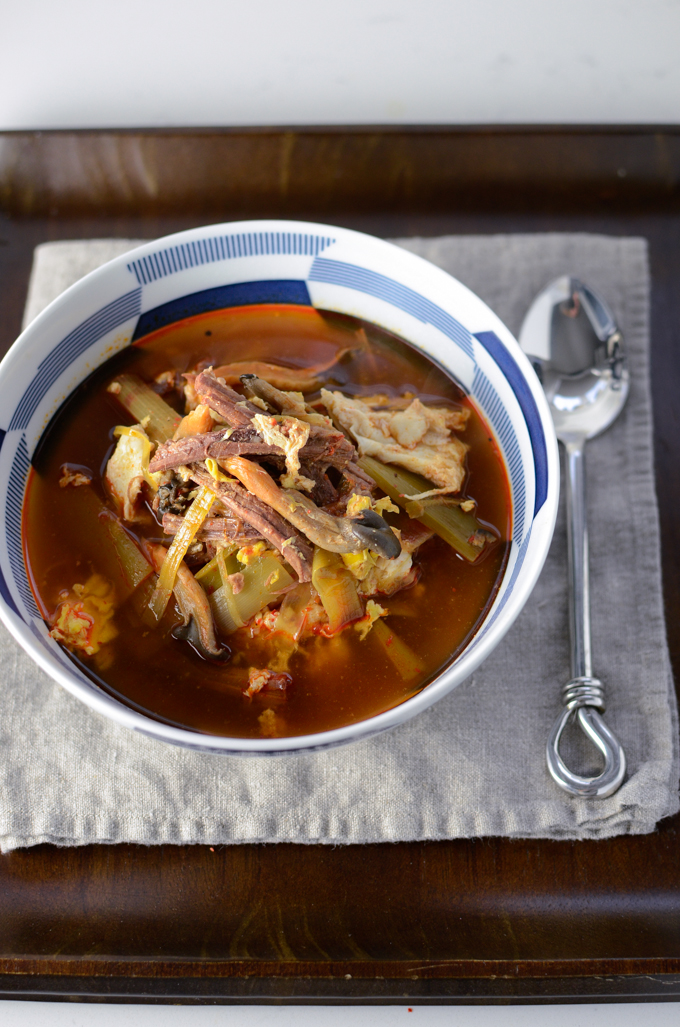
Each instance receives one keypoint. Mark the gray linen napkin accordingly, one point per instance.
(472, 765)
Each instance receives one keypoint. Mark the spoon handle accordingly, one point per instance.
(579, 577)
(583, 696)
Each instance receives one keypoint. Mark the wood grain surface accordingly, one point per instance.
(459, 921)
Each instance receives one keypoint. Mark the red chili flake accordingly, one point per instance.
(390, 640)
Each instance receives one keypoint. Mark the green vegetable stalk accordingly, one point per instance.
(263, 581)
(336, 588)
(461, 530)
(145, 406)
(404, 659)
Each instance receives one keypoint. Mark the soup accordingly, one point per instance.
(267, 572)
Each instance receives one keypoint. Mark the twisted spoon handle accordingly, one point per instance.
(583, 696)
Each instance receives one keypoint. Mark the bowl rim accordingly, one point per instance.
(450, 676)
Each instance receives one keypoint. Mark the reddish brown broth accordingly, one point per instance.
(338, 681)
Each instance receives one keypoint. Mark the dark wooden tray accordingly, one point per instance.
(486, 920)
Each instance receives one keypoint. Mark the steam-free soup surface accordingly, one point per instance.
(335, 681)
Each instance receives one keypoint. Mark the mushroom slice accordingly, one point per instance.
(199, 628)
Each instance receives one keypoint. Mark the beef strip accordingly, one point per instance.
(215, 529)
(324, 492)
(325, 447)
(196, 555)
(292, 545)
(353, 481)
(328, 448)
(236, 410)
(357, 478)
(192, 449)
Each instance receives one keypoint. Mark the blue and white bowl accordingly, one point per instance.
(281, 262)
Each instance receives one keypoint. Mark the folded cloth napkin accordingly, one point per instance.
(472, 765)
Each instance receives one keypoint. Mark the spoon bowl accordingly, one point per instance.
(576, 350)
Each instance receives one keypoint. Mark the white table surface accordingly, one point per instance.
(152, 63)
(224, 62)
(67, 1014)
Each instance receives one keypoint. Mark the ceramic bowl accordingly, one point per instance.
(290, 262)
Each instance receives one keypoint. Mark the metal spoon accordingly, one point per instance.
(575, 346)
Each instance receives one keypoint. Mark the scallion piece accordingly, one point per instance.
(210, 576)
(461, 530)
(263, 581)
(133, 567)
(336, 588)
(145, 406)
(196, 514)
(402, 657)
(118, 556)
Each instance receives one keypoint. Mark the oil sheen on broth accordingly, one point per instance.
(335, 681)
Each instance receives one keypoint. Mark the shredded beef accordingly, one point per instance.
(236, 410)
(215, 529)
(293, 546)
(324, 491)
(324, 447)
